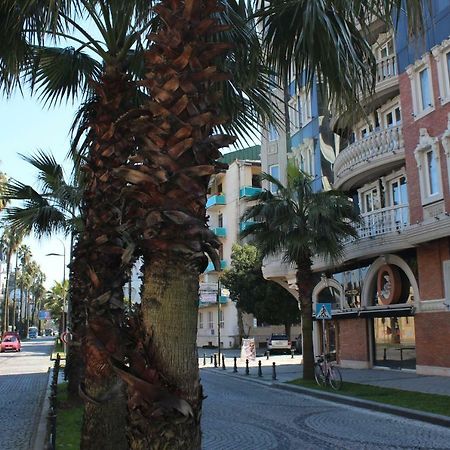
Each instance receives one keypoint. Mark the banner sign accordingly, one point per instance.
(44, 315)
(208, 292)
(248, 350)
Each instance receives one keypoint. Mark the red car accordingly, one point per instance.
(10, 341)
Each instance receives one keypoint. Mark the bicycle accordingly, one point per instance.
(325, 372)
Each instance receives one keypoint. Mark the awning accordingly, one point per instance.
(375, 311)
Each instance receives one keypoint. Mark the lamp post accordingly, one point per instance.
(64, 282)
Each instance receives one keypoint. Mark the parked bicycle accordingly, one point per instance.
(326, 373)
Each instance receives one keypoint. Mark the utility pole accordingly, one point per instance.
(218, 317)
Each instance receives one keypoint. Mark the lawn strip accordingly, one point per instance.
(433, 403)
(68, 421)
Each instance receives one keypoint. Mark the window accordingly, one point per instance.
(211, 320)
(393, 117)
(428, 164)
(200, 320)
(398, 197)
(273, 133)
(220, 220)
(441, 54)
(221, 319)
(274, 171)
(294, 113)
(386, 63)
(432, 184)
(219, 188)
(425, 96)
(421, 87)
(304, 107)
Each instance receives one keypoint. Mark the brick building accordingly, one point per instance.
(390, 293)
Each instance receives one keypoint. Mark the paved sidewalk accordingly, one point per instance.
(288, 369)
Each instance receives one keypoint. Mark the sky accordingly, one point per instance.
(25, 127)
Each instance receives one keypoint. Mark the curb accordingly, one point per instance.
(435, 419)
(40, 437)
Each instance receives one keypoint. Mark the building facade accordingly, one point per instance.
(391, 291)
(226, 203)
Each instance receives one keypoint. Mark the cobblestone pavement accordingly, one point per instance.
(23, 383)
(244, 415)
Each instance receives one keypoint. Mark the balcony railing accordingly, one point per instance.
(249, 191)
(376, 145)
(386, 68)
(244, 225)
(220, 231)
(392, 219)
(215, 200)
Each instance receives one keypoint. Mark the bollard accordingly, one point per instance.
(274, 372)
(211, 359)
(247, 372)
(215, 360)
(235, 365)
(204, 359)
(292, 353)
(259, 369)
(267, 354)
(384, 354)
(223, 362)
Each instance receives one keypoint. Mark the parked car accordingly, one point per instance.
(279, 342)
(10, 342)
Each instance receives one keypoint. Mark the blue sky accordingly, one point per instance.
(27, 126)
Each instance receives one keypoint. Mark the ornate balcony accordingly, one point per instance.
(392, 219)
(379, 151)
(249, 191)
(387, 75)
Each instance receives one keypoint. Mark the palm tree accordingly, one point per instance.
(299, 224)
(54, 299)
(9, 243)
(23, 281)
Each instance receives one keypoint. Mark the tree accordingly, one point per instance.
(54, 299)
(253, 294)
(9, 243)
(299, 224)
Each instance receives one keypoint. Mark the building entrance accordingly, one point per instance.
(395, 342)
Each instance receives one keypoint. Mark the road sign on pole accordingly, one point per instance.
(323, 311)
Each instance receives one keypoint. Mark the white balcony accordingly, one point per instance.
(379, 151)
(392, 219)
(387, 75)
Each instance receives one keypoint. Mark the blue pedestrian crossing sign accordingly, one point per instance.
(323, 311)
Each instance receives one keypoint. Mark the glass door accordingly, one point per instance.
(395, 342)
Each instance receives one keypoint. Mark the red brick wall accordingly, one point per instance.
(433, 339)
(436, 123)
(429, 259)
(353, 340)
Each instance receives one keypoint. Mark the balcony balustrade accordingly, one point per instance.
(220, 231)
(392, 219)
(379, 149)
(386, 69)
(249, 191)
(210, 268)
(215, 200)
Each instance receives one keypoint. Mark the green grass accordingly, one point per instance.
(437, 404)
(59, 348)
(68, 421)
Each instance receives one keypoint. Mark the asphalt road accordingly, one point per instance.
(244, 415)
(23, 384)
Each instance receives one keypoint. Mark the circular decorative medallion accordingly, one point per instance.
(389, 285)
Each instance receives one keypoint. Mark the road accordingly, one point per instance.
(23, 383)
(244, 415)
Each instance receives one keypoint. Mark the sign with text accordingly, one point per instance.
(208, 292)
(44, 315)
(248, 350)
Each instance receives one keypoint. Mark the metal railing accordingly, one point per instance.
(383, 221)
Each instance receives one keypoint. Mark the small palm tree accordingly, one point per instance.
(299, 224)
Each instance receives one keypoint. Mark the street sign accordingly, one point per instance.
(209, 287)
(206, 297)
(323, 311)
(224, 292)
(44, 315)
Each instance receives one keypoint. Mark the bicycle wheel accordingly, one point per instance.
(335, 378)
(319, 375)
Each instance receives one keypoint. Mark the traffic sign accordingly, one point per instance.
(323, 311)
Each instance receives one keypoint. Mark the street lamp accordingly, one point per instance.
(64, 282)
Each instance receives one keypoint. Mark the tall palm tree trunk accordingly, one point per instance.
(14, 318)
(169, 312)
(305, 287)
(5, 318)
